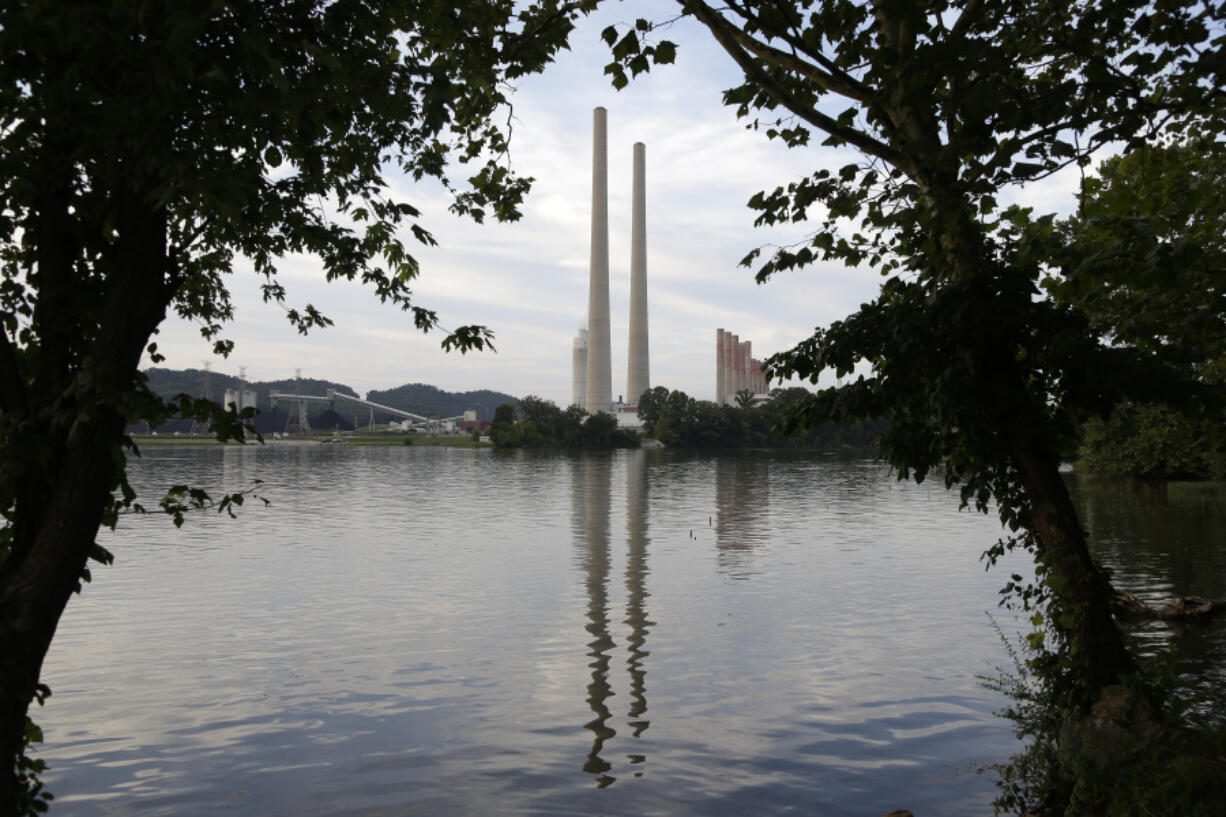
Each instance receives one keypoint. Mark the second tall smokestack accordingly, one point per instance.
(638, 375)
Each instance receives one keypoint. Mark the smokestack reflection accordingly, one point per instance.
(636, 590)
(595, 540)
(592, 485)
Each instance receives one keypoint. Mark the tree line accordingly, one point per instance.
(676, 420)
(680, 421)
(540, 423)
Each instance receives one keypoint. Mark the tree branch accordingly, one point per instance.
(969, 12)
(727, 36)
(563, 11)
(834, 79)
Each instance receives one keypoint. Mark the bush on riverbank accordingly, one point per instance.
(541, 424)
(1153, 441)
(1134, 754)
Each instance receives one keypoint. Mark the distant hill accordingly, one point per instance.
(429, 401)
(418, 398)
(266, 422)
(167, 383)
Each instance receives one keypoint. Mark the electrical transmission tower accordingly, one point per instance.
(297, 423)
(206, 393)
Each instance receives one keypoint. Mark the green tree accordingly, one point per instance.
(546, 418)
(1145, 255)
(599, 430)
(948, 104)
(1145, 259)
(1151, 440)
(504, 432)
(572, 426)
(144, 146)
(651, 403)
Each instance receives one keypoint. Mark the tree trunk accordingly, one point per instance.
(1083, 595)
(35, 594)
(1082, 610)
(73, 422)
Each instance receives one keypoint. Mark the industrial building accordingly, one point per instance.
(736, 369)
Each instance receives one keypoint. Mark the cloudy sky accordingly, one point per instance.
(528, 280)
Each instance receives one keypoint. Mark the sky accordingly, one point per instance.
(528, 280)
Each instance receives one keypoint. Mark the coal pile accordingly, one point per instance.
(329, 420)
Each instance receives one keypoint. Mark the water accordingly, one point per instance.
(457, 631)
(1160, 540)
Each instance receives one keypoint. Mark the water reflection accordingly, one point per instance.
(636, 592)
(742, 501)
(592, 495)
(1160, 540)
(594, 541)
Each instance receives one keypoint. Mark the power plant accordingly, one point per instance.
(736, 369)
(592, 382)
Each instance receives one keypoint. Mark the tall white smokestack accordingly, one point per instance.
(599, 392)
(638, 374)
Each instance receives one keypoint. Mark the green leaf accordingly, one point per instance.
(666, 53)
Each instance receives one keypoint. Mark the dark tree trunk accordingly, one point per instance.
(35, 594)
(74, 419)
(1082, 610)
(1083, 593)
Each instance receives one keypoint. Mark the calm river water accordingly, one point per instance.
(454, 631)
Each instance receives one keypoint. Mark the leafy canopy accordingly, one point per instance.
(1145, 259)
(1145, 255)
(261, 129)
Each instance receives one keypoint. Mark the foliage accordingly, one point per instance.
(949, 104)
(542, 424)
(419, 398)
(1153, 441)
(1145, 256)
(146, 146)
(1145, 259)
(1120, 760)
(168, 383)
(680, 421)
(431, 401)
(651, 403)
(503, 432)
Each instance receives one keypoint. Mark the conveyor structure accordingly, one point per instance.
(430, 424)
